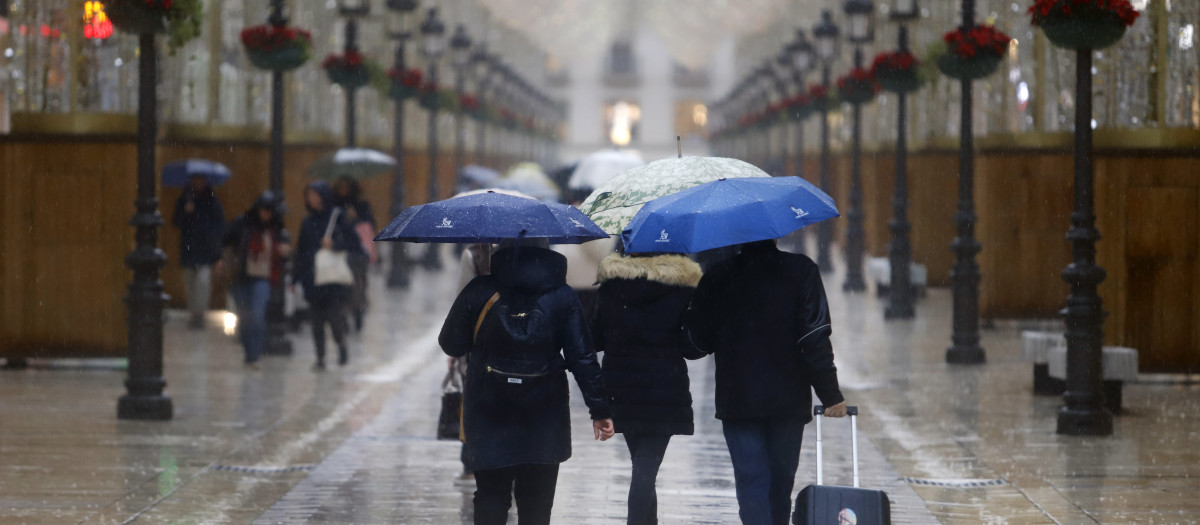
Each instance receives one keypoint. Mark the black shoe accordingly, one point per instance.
(343, 357)
(358, 320)
(319, 367)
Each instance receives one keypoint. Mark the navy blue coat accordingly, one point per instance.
(200, 232)
(312, 230)
(764, 314)
(537, 328)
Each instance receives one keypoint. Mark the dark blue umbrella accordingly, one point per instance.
(726, 212)
(180, 172)
(491, 217)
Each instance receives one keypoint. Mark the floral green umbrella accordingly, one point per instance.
(615, 202)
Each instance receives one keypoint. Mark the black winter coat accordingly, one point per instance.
(312, 230)
(763, 313)
(638, 324)
(200, 232)
(515, 400)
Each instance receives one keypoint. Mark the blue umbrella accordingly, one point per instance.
(726, 212)
(180, 172)
(491, 217)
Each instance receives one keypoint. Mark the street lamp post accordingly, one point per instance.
(277, 342)
(765, 74)
(1084, 413)
(460, 59)
(900, 291)
(144, 397)
(432, 46)
(481, 62)
(964, 276)
(399, 30)
(800, 54)
(859, 14)
(826, 33)
(351, 10)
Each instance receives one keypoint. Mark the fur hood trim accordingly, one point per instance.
(671, 270)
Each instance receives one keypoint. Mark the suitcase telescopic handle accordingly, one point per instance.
(852, 411)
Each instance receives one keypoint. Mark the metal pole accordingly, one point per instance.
(481, 126)
(351, 45)
(1084, 413)
(398, 274)
(965, 274)
(825, 228)
(854, 226)
(433, 258)
(460, 130)
(277, 342)
(144, 397)
(900, 292)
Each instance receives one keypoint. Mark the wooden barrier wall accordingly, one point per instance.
(64, 229)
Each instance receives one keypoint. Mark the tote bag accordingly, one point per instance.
(331, 266)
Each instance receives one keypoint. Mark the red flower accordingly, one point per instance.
(468, 101)
(410, 78)
(1092, 10)
(818, 91)
(979, 40)
(349, 60)
(267, 38)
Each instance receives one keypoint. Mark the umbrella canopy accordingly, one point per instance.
(727, 212)
(356, 163)
(180, 172)
(615, 202)
(491, 217)
(601, 166)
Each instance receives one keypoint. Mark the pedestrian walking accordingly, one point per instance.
(257, 246)
(325, 227)
(638, 325)
(348, 195)
(521, 329)
(201, 222)
(764, 315)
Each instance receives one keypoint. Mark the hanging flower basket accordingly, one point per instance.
(405, 84)
(433, 98)
(276, 48)
(799, 107)
(472, 107)
(821, 100)
(973, 54)
(858, 86)
(508, 119)
(896, 72)
(347, 70)
(1083, 24)
(179, 19)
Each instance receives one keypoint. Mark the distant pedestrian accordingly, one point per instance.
(583, 261)
(326, 302)
(764, 315)
(201, 222)
(638, 325)
(348, 195)
(258, 245)
(521, 328)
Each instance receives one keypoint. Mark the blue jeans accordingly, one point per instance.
(765, 453)
(251, 296)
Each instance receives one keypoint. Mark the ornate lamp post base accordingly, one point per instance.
(145, 401)
(398, 274)
(966, 354)
(1084, 422)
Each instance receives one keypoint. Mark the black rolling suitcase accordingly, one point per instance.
(827, 504)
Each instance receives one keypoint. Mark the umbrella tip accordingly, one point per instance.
(679, 146)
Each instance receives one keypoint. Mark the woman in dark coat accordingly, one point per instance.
(348, 195)
(638, 324)
(327, 302)
(201, 222)
(521, 329)
(260, 245)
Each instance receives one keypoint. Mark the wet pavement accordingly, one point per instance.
(355, 445)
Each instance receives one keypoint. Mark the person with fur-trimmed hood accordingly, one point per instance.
(638, 324)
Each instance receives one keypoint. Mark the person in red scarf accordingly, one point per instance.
(260, 245)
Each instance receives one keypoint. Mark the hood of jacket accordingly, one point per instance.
(327, 197)
(528, 269)
(632, 275)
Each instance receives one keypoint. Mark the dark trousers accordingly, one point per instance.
(533, 485)
(646, 451)
(765, 454)
(331, 310)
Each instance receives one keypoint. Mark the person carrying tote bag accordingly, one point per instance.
(326, 239)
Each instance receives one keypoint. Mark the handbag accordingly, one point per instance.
(449, 420)
(331, 267)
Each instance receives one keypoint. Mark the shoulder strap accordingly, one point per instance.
(333, 217)
(487, 307)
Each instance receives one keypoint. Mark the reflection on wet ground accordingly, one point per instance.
(285, 445)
